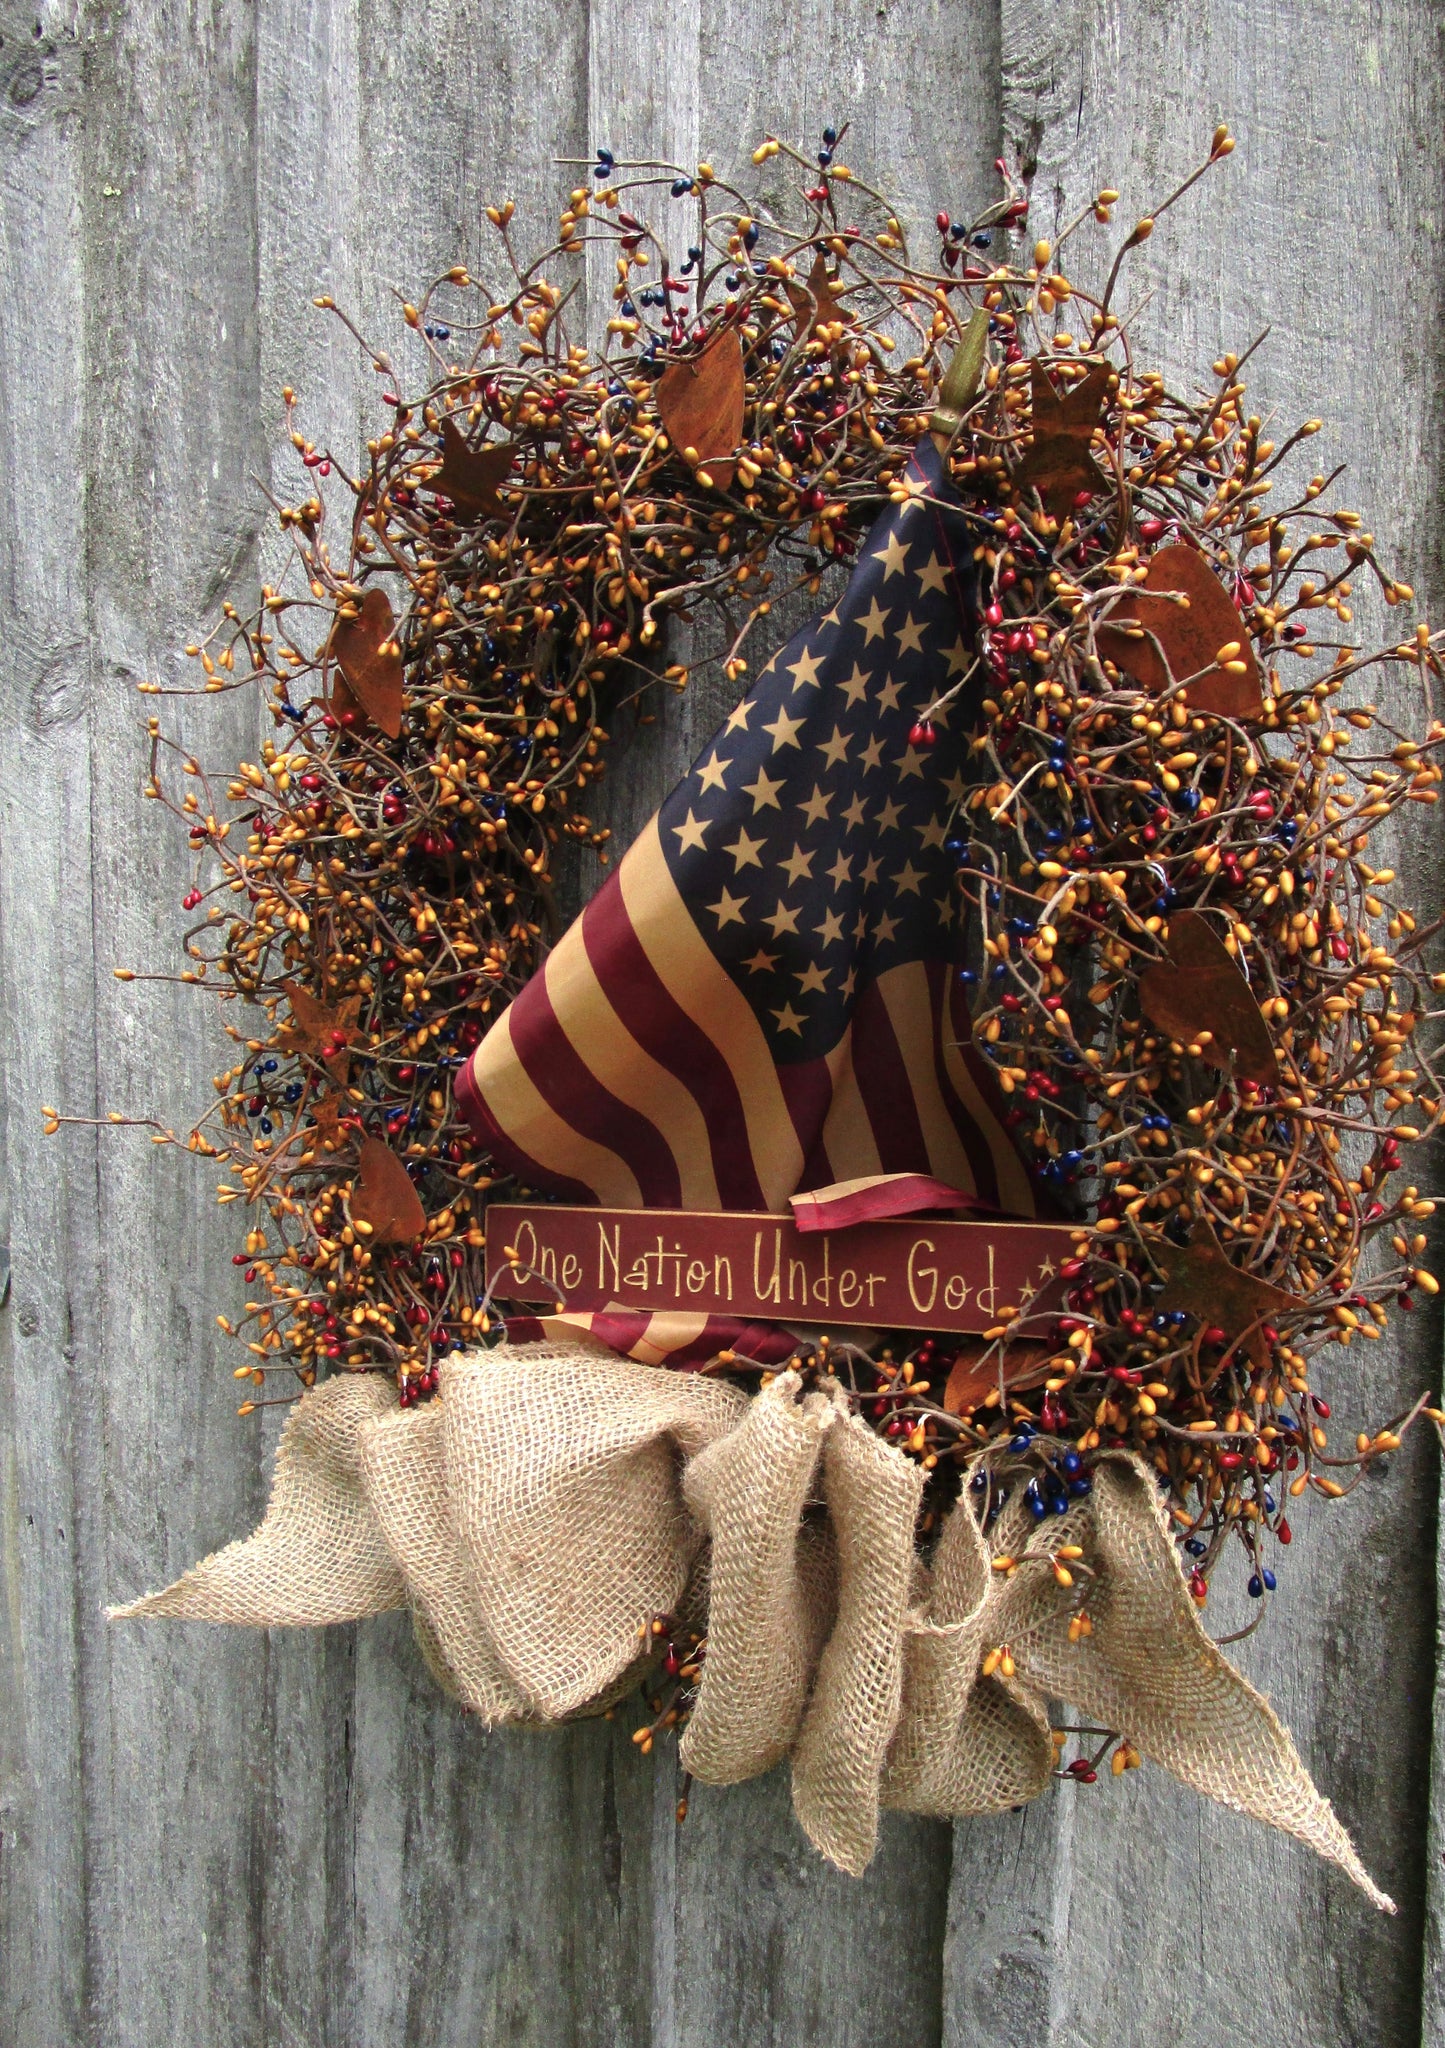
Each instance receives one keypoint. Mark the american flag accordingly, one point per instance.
(765, 999)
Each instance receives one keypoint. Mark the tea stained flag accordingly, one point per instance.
(765, 999)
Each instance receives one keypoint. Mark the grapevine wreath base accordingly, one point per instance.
(554, 1492)
(1193, 997)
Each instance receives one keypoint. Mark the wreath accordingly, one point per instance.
(1204, 1004)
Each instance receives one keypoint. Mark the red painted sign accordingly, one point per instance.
(913, 1274)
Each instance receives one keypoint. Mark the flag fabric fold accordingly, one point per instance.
(765, 998)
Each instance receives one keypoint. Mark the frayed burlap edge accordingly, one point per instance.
(556, 1498)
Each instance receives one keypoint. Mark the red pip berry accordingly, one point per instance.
(191, 898)
(923, 735)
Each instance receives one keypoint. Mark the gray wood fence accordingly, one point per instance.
(218, 1838)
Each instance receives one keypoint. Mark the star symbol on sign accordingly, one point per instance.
(856, 687)
(888, 695)
(784, 730)
(761, 962)
(907, 879)
(812, 981)
(850, 982)
(738, 718)
(710, 774)
(869, 875)
(893, 555)
(798, 866)
(910, 636)
(932, 833)
(783, 920)
(888, 816)
(691, 832)
(841, 871)
(956, 787)
(910, 764)
(873, 622)
(956, 657)
(854, 814)
(804, 670)
(884, 929)
(872, 754)
(764, 791)
(744, 851)
(830, 929)
(788, 1019)
(860, 929)
(817, 806)
(728, 909)
(933, 576)
(835, 753)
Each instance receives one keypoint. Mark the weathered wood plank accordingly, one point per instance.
(44, 981)
(775, 1946)
(502, 1881)
(1144, 1910)
(175, 1809)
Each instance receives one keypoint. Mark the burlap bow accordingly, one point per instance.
(555, 1498)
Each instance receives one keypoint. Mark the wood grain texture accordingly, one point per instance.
(44, 977)
(175, 1809)
(292, 1838)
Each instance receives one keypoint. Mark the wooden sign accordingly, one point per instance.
(913, 1274)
